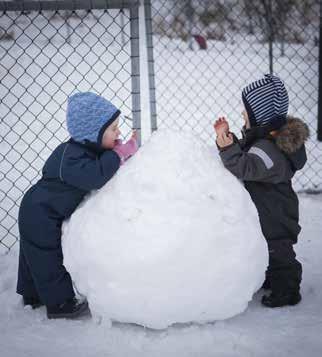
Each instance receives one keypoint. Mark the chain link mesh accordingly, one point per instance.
(45, 56)
(205, 52)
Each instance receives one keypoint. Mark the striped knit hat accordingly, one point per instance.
(266, 102)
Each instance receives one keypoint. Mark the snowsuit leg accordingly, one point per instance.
(284, 271)
(25, 283)
(40, 239)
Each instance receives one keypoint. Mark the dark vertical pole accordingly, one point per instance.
(149, 45)
(135, 69)
(270, 30)
(122, 27)
(271, 36)
(189, 14)
(68, 15)
(320, 80)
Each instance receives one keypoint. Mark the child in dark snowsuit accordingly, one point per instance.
(266, 159)
(83, 163)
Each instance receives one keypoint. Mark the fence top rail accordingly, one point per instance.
(66, 5)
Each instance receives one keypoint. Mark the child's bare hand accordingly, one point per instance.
(224, 139)
(221, 126)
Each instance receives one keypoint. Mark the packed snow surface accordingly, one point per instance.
(289, 331)
(173, 237)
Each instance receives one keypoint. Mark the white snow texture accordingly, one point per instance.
(173, 237)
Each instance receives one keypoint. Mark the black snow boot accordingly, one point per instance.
(70, 309)
(281, 299)
(34, 302)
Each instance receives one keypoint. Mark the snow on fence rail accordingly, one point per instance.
(200, 53)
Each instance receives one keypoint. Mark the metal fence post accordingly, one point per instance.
(319, 131)
(269, 20)
(149, 45)
(189, 12)
(135, 65)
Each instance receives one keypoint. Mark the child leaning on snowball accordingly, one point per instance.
(266, 158)
(84, 163)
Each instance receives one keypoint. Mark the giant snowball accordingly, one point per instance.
(172, 237)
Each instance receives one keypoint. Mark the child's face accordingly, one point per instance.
(246, 120)
(111, 134)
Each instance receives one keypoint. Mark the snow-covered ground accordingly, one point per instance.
(294, 331)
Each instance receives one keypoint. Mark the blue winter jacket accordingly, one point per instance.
(71, 171)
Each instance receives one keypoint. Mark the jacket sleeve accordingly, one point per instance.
(88, 172)
(258, 164)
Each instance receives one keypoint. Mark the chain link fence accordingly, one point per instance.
(206, 51)
(200, 53)
(49, 50)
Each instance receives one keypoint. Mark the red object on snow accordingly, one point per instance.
(201, 41)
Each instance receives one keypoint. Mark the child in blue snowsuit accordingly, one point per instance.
(270, 152)
(83, 163)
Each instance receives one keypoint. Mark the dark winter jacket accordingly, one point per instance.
(71, 171)
(267, 165)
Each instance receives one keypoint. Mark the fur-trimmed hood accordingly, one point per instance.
(291, 137)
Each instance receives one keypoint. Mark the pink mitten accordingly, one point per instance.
(124, 151)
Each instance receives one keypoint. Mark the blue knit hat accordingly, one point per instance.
(88, 115)
(266, 102)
